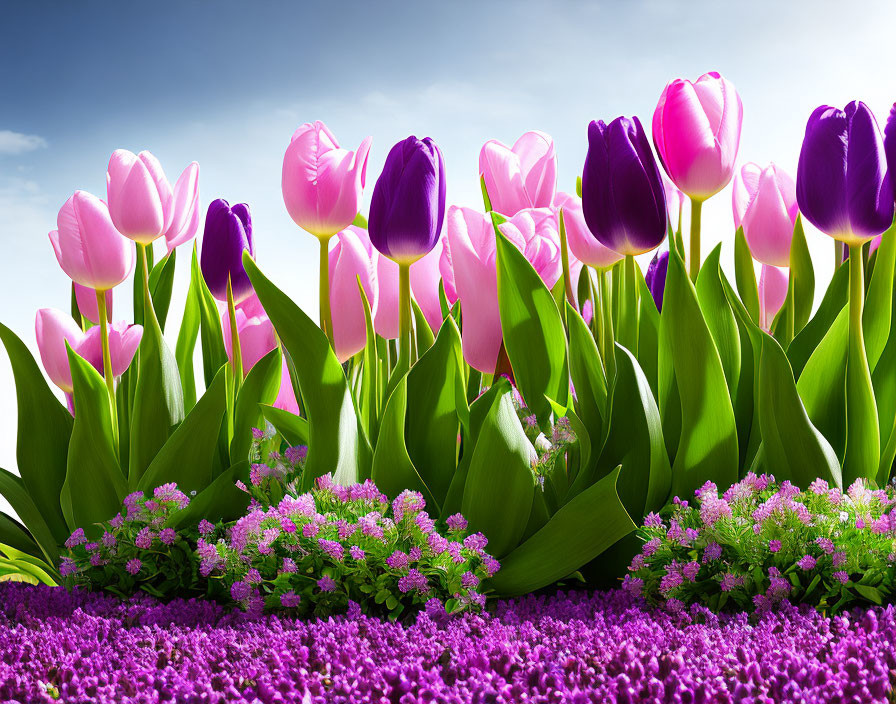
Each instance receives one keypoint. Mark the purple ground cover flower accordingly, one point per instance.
(575, 648)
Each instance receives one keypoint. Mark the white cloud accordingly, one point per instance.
(12, 143)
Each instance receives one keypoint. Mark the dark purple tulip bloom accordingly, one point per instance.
(408, 204)
(656, 277)
(842, 185)
(623, 198)
(228, 231)
(890, 147)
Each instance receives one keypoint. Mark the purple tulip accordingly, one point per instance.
(890, 147)
(623, 198)
(842, 186)
(408, 203)
(656, 277)
(228, 231)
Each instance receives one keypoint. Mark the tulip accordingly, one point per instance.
(424, 281)
(624, 202)
(53, 329)
(843, 189)
(87, 303)
(446, 270)
(535, 232)
(352, 258)
(184, 209)
(88, 247)
(764, 204)
(522, 176)
(696, 131)
(124, 340)
(890, 147)
(674, 204)
(139, 195)
(406, 214)
(656, 277)
(584, 246)
(772, 292)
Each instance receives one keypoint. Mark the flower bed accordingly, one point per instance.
(572, 647)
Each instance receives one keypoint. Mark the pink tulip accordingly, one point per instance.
(322, 183)
(124, 340)
(674, 202)
(424, 275)
(522, 176)
(87, 245)
(536, 233)
(251, 306)
(582, 244)
(286, 397)
(86, 299)
(140, 196)
(184, 208)
(772, 292)
(696, 131)
(53, 329)
(764, 203)
(352, 257)
(446, 270)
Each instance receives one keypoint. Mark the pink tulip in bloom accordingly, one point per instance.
(424, 275)
(351, 258)
(53, 329)
(582, 244)
(674, 202)
(322, 183)
(140, 196)
(86, 298)
(521, 176)
(772, 292)
(696, 131)
(764, 203)
(124, 340)
(536, 233)
(88, 247)
(446, 271)
(184, 208)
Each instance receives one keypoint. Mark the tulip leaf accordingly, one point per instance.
(707, 447)
(588, 379)
(533, 331)
(186, 344)
(13, 489)
(648, 335)
(94, 482)
(293, 428)
(423, 336)
(14, 534)
(261, 386)
(189, 454)
(808, 339)
(803, 276)
(161, 283)
(220, 500)
(370, 397)
(720, 319)
(884, 382)
(577, 533)
(211, 335)
(877, 315)
(360, 221)
(500, 484)
(337, 442)
(745, 275)
(44, 427)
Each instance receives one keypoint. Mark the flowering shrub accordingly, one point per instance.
(761, 543)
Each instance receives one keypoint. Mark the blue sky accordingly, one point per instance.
(226, 83)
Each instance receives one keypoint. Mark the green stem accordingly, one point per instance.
(856, 296)
(696, 208)
(609, 338)
(326, 316)
(596, 316)
(107, 362)
(564, 250)
(235, 349)
(628, 324)
(404, 311)
(789, 319)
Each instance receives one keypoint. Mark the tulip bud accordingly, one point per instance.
(184, 208)
(764, 204)
(522, 176)
(228, 231)
(322, 183)
(88, 247)
(139, 195)
(352, 257)
(623, 198)
(583, 245)
(87, 305)
(696, 131)
(772, 292)
(53, 329)
(656, 277)
(408, 204)
(124, 340)
(842, 185)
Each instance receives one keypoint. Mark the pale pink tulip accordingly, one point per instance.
(674, 202)
(322, 183)
(764, 203)
(696, 131)
(87, 305)
(53, 329)
(286, 397)
(521, 176)
(446, 271)
(184, 208)
(424, 275)
(88, 247)
(124, 340)
(536, 233)
(140, 196)
(772, 292)
(352, 257)
(582, 244)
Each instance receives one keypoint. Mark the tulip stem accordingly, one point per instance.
(564, 250)
(696, 210)
(628, 324)
(404, 311)
(609, 338)
(107, 362)
(235, 350)
(326, 316)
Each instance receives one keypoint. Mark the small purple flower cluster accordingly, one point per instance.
(318, 552)
(574, 648)
(761, 543)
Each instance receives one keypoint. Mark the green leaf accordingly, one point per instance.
(336, 441)
(707, 448)
(12, 488)
(872, 594)
(370, 397)
(293, 428)
(161, 283)
(94, 483)
(261, 386)
(648, 334)
(720, 319)
(44, 427)
(15, 534)
(745, 275)
(580, 531)
(211, 335)
(809, 338)
(186, 344)
(423, 333)
(189, 454)
(533, 330)
(588, 378)
(803, 276)
(221, 500)
(360, 221)
(500, 485)
(877, 315)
